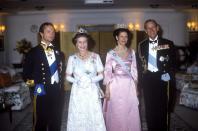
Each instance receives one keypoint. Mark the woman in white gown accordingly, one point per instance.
(84, 71)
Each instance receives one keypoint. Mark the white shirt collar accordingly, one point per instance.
(154, 39)
(45, 45)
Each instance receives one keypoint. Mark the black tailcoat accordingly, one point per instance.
(158, 95)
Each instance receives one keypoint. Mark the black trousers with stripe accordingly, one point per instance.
(156, 96)
(47, 109)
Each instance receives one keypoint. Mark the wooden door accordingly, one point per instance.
(107, 42)
(95, 41)
(138, 36)
(68, 49)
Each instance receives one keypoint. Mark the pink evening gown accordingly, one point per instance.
(121, 112)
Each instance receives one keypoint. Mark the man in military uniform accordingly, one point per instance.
(156, 59)
(42, 69)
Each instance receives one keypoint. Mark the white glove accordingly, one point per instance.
(71, 79)
(97, 78)
(84, 81)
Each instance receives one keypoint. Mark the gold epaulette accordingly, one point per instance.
(30, 83)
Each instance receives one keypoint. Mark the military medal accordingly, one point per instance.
(162, 58)
(49, 53)
(39, 90)
(161, 47)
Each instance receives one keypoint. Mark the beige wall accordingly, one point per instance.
(19, 25)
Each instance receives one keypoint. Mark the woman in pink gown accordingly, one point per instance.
(120, 107)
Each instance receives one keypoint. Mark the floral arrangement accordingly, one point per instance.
(23, 46)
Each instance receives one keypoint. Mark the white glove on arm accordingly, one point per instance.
(97, 78)
(85, 79)
(88, 79)
(71, 79)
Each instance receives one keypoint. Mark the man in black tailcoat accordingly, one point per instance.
(42, 69)
(156, 59)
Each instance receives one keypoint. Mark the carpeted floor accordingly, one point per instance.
(177, 124)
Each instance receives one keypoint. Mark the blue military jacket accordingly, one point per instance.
(36, 66)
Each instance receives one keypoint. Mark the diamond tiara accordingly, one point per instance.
(120, 26)
(81, 30)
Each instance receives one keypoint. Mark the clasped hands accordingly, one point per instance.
(84, 81)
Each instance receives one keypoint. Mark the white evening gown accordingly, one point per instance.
(85, 109)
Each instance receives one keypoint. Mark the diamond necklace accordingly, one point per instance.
(83, 56)
(121, 52)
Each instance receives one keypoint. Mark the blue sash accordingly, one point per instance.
(53, 68)
(120, 61)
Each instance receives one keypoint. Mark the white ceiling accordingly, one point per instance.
(27, 5)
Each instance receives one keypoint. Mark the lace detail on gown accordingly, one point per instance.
(85, 109)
